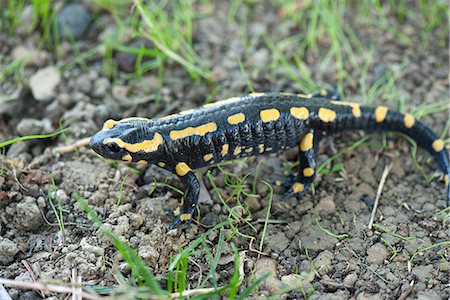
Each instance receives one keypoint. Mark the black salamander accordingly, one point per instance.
(251, 125)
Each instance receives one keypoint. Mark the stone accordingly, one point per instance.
(43, 83)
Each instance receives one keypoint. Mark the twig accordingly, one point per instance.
(386, 171)
(46, 287)
(69, 148)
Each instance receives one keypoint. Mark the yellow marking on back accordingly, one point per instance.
(161, 164)
(380, 113)
(127, 158)
(248, 150)
(256, 94)
(297, 187)
(226, 101)
(446, 180)
(261, 148)
(208, 156)
(182, 169)
(307, 142)
(145, 146)
(236, 118)
(237, 150)
(438, 145)
(409, 121)
(225, 148)
(142, 162)
(176, 212)
(190, 131)
(308, 172)
(323, 93)
(268, 115)
(109, 124)
(134, 119)
(301, 113)
(356, 108)
(327, 115)
(186, 112)
(185, 217)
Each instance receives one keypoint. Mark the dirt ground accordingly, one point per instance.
(357, 265)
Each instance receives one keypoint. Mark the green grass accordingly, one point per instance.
(58, 212)
(31, 137)
(142, 283)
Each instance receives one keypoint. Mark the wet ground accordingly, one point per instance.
(325, 238)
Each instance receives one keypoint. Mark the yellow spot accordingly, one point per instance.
(308, 172)
(127, 158)
(409, 121)
(261, 148)
(248, 150)
(301, 113)
(208, 156)
(446, 180)
(307, 142)
(237, 150)
(109, 124)
(380, 113)
(356, 108)
(268, 115)
(256, 94)
(297, 187)
(309, 96)
(221, 102)
(161, 164)
(327, 115)
(186, 112)
(225, 148)
(134, 119)
(145, 146)
(177, 211)
(142, 162)
(190, 131)
(323, 93)
(236, 119)
(438, 145)
(185, 217)
(182, 169)
(278, 183)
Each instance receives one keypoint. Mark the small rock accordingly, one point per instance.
(297, 280)
(149, 254)
(262, 267)
(423, 273)
(28, 215)
(323, 262)
(127, 61)
(350, 279)
(226, 259)
(326, 205)
(101, 86)
(277, 242)
(34, 126)
(73, 20)
(8, 249)
(30, 56)
(376, 254)
(43, 83)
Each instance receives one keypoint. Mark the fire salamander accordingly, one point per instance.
(253, 124)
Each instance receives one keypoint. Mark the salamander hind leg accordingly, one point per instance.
(297, 185)
(183, 214)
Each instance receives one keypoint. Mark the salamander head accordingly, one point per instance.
(126, 140)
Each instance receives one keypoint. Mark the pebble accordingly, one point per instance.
(28, 215)
(266, 265)
(326, 205)
(296, 280)
(73, 21)
(423, 273)
(8, 249)
(277, 242)
(101, 87)
(323, 262)
(34, 126)
(376, 254)
(127, 61)
(32, 56)
(350, 279)
(43, 83)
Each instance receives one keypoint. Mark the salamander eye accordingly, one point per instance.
(113, 147)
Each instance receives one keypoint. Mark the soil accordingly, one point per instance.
(357, 265)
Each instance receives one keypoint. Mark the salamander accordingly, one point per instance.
(254, 124)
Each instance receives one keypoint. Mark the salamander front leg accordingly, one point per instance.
(298, 184)
(190, 198)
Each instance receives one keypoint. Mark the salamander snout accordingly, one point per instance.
(102, 144)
